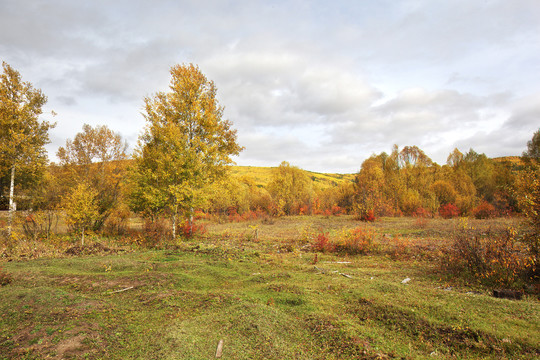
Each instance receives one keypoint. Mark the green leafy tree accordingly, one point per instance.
(81, 208)
(185, 147)
(22, 135)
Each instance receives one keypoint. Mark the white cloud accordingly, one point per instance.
(319, 84)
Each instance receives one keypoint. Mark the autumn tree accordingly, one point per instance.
(290, 187)
(369, 184)
(185, 147)
(96, 156)
(81, 209)
(455, 158)
(533, 148)
(22, 135)
(528, 196)
(481, 171)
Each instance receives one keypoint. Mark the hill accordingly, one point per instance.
(261, 176)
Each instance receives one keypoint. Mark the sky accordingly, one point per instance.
(320, 84)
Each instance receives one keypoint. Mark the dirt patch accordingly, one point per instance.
(48, 343)
(92, 249)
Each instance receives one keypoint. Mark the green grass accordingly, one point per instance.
(262, 302)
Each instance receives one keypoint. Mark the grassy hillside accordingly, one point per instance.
(514, 160)
(263, 175)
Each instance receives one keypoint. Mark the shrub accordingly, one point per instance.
(351, 242)
(118, 221)
(40, 224)
(5, 278)
(448, 211)
(484, 211)
(155, 231)
(322, 242)
(421, 216)
(399, 247)
(496, 260)
(367, 216)
(421, 213)
(355, 241)
(190, 230)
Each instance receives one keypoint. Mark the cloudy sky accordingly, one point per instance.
(320, 84)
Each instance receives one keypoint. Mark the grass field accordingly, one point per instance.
(259, 288)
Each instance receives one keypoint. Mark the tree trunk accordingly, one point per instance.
(82, 238)
(12, 205)
(174, 222)
(191, 222)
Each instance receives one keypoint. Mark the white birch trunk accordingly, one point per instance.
(174, 222)
(12, 205)
(191, 222)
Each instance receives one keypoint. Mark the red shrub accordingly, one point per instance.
(189, 231)
(484, 211)
(449, 211)
(337, 210)
(322, 243)
(368, 216)
(421, 213)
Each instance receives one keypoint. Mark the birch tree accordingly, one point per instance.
(22, 135)
(185, 146)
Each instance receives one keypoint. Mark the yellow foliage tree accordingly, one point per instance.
(290, 188)
(81, 209)
(22, 135)
(185, 147)
(96, 156)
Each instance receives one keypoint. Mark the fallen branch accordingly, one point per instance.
(333, 272)
(117, 291)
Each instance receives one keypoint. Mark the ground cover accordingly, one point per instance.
(260, 288)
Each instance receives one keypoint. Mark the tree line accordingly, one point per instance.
(180, 165)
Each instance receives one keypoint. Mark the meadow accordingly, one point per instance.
(297, 287)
